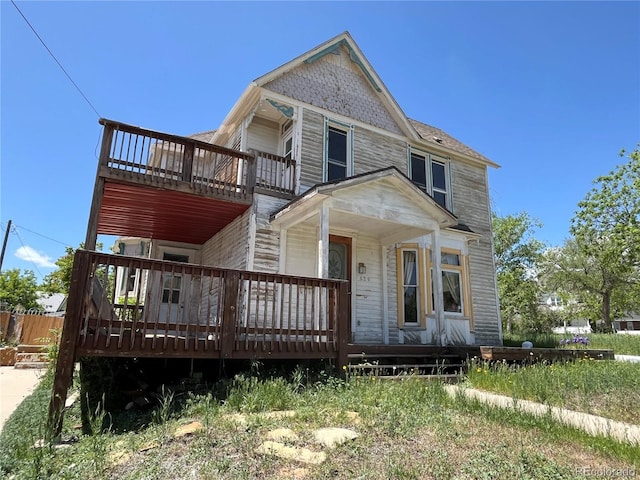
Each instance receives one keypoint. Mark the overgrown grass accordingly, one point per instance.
(602, 387)
(407, 429)
(620, 344)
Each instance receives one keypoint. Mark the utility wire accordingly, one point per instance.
(15, 230)
(44, 236)
(56, 60)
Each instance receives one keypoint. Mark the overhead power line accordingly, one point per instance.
(56, 60)
(15, 230)
(44, 236)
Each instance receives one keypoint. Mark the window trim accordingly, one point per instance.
(430, 159)
(348, 130)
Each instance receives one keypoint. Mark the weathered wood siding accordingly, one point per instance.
(228, 248)
(368, 291)
(312, 149)
(267, 238)
(302, 251)
(372, 151)
(336, 84)
(471, 204)
(263, 135)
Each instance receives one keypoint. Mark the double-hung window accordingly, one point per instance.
(431, 174)
(415, 279)
(338, 151)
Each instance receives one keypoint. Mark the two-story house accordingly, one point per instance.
(317, 218)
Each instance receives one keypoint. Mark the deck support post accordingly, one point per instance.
(343, 327)
(228, 333)
(68, 341)
(98, 189)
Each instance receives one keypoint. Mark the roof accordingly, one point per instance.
(440, 137)
(203, 136)
(328, 187)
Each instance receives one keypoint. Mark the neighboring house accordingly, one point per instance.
(576, 326)
(629, 324)
(52, 303)
(315, 176)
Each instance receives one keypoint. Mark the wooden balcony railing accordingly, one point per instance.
(161, 159)
(188, 310)
(275, 173)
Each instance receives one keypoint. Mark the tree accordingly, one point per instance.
(517, 255)
(602, 259)
(18, 289)
(59, 280)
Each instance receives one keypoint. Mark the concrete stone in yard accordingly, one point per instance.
(280, 450)
(188, 429)
(282, 435)
(332, 436)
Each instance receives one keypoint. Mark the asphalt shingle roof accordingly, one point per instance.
(440, 137)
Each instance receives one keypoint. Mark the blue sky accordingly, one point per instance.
(548, 90)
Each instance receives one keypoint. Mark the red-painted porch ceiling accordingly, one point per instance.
(136, 211)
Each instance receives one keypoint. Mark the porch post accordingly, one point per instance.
(438, 305)
(385, 292)
(323, 242)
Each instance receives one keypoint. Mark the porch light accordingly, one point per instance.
(362, 268)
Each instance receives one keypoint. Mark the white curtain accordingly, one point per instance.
(452, 287)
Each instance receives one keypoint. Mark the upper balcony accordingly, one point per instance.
(157, 185)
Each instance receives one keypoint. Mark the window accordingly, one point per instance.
(455, 283)
(415, 284)
(410, 271)
(338, 153)
(431, 175)
(452, 297)
(287, 140)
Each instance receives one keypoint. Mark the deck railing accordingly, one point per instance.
(161, 159)
(188, 310)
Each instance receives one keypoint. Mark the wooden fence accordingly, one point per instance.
(30, 328)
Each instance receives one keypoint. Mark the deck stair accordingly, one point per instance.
(448, 367)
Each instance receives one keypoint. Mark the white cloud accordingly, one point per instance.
(30, 255)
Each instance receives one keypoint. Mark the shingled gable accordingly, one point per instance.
(344, 40)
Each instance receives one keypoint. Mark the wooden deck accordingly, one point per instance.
(183, 310)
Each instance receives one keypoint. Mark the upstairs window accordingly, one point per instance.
(431, 175)
(287, 140)
(338, 154)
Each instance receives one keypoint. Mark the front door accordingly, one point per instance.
(340, 262)
(173, 290)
